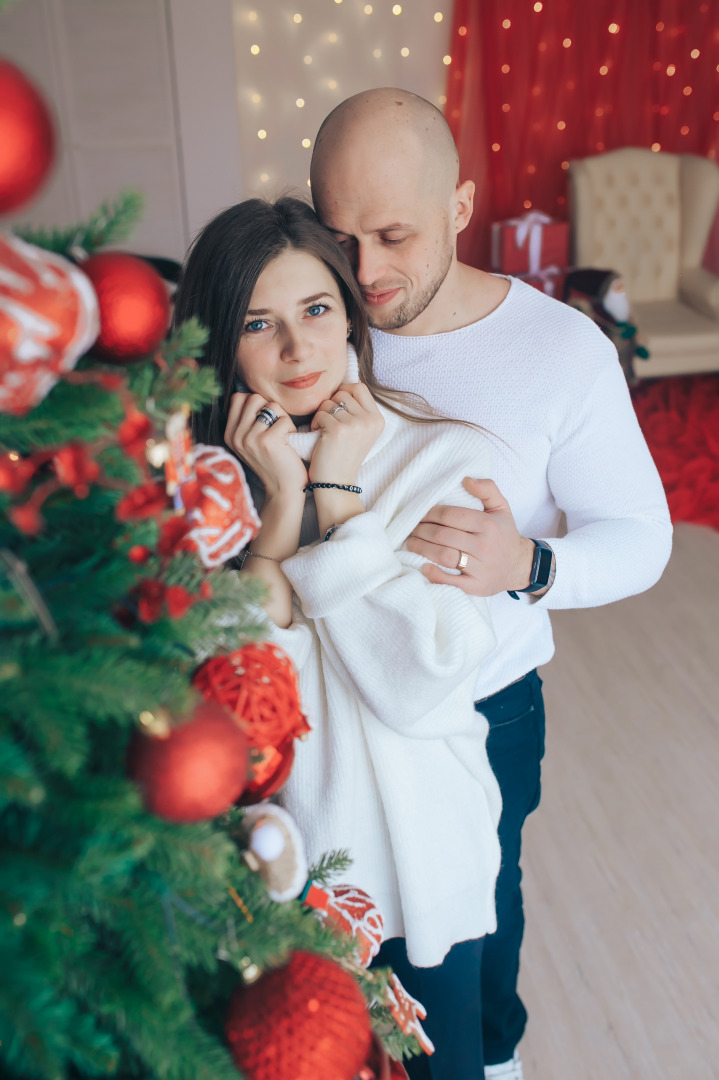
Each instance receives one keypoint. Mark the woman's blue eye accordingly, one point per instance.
(316, 309)
(255, 325)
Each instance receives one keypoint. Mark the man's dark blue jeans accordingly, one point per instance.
(515, 746)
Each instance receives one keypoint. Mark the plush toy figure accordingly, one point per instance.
(275, 850)
(602, 295)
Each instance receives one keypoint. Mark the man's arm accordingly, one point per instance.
(601, 474)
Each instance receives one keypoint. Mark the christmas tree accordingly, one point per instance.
(151, 925)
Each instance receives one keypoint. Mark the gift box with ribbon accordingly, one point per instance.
(528, 244)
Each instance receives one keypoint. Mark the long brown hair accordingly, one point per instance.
(219, 276)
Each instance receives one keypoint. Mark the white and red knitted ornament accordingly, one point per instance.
(351, 911)
(220, 507)
(48, 319)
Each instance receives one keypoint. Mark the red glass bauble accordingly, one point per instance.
(195, 772)
(48, 319)
(134, 305)
(304, 1021)
(268, 772)
(27, 138)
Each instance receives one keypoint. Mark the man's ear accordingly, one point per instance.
(462, 205)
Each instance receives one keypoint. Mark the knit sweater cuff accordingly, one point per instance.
(358, 559)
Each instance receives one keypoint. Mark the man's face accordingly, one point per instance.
(400, 246)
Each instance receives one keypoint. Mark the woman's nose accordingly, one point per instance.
(294, 346)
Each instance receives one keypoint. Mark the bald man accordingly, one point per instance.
(547, 384)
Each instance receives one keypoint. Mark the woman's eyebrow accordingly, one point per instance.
(314, 298)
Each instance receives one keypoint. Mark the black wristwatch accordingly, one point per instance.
(541, 569)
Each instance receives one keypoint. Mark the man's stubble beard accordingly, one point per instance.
(412, 307)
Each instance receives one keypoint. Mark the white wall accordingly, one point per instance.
(342, 41)
(166, 96)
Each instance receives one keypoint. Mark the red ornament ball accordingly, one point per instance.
(27, 138)
(195, 772)
(354, 912)
(304, 1021)
(258, 685)
(269, 771)
(134, 306)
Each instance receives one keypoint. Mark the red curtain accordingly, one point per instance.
(532, 85)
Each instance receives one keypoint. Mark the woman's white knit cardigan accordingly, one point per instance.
(395, 769)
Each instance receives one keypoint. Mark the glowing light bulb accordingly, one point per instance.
(531, 169)
(684, 130)
(252, 16)
(687, 91)
(538, 6)
(565, 165)
(496, 147)
(332, 83)
(332, 38)
(660, 26)
(613, 28)
(297, 18)
(506, 23)
(505, 107)
(262, 134)
(377, 53)
(527, 204)
(567, 42)
(397, 9)
(505, 69)
(368, 9)
(446, 60)
(603, 69)
(264, 177)
(255, 98)
(462, 31)
(404, 51)
(694, 54)
(254, 49)
(307, 59)
(656, 147)
(671, 70)
(300, 103)
(438, 16)
(307, 143)
(561, 125)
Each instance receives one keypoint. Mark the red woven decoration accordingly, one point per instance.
(258, 686)
(304, 1021)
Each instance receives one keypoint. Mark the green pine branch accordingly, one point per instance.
(112, 223)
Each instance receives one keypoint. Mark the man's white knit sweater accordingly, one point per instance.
(395, 768)
(543, 378)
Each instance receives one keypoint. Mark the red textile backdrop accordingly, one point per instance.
(532, 85)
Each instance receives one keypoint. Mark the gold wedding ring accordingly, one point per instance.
(462, 560)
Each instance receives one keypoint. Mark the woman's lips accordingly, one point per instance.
(304, 381)
(376, 299)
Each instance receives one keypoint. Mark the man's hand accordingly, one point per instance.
(499, 558)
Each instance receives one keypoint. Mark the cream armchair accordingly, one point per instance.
(648, 215)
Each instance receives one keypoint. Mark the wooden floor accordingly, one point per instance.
(620, 968)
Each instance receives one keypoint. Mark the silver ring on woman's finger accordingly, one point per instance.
(462, 560)
(339, 408)
(267, 417)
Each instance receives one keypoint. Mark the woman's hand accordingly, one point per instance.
(265, 449)
(346, 435)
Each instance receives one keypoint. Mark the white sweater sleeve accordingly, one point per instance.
(401, 644)
(602, 476)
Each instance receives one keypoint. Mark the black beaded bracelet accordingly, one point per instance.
(340, 487)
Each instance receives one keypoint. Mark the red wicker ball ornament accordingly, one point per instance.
(134, 306)
(27, 138)
(304, 1021)
(258, 686)
(195, 772)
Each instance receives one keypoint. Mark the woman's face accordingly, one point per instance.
(293, 348)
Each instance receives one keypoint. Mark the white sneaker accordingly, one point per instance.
(508, 1070)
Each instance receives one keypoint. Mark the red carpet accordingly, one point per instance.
(680, 420)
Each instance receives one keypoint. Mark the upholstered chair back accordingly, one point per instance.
(646, 215)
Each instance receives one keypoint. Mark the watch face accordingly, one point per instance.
(541, 566)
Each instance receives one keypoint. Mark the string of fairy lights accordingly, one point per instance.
(295, 65)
